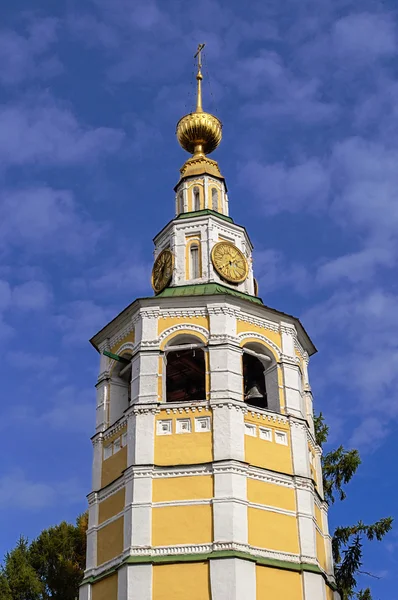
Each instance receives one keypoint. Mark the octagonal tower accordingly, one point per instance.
(207, 479)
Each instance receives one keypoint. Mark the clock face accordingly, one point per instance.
(229, 262)
(162, 271)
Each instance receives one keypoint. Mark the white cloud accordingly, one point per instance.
(303, 186)
(41, 132)
(364, 36)
(357, 266)
(274, 271)
(27, 55)
(36, 361)
(45, 219)
(18, 492)
(31, 295)
(80, 320)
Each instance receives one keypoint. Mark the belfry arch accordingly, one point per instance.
(120, 387)
(260, 377)
(185, 369)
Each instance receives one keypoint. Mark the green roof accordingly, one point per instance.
(206, 211)
(206, 289)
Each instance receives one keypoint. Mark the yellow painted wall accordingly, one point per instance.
(111, 507)
(329, 593)
(281, 390)
(110, 541)
(318, 517)
(245, 327)
(269, 494)
(114, 466)
(183, 448)
(268, 455)
(182, 488)
(105, 589)
(272, 530)
(320, 550)
(182, 525)
(277, 584)
(166, 322)
(128, 338)
(189, 581)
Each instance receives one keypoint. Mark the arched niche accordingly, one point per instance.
(260, 377)
(185, 369)
(120, 387)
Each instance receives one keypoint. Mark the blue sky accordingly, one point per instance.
(89, 97)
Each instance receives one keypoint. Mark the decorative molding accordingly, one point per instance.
(122, 333)
(118, 426)
(183, 312)
(252, 320)
(184, 326)
(261, 338)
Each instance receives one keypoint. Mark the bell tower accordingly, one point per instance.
(207, 479)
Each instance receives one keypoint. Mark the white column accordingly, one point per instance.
(229, 506)
(144, 377)
(101, 419)
(307, 533)
(97, 462)
(228, 431)
(206, 192)
(314, 586)
(233, 579)
(85, 592)
(135, 582)
(91, 549)
(138, 511)
(291, 376)
(300, 452)
(140, 436)
(225, 372)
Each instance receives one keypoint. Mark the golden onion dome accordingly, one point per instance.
(199, 132)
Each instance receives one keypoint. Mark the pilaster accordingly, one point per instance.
(135, 582)
(233, 579)
(228, 431)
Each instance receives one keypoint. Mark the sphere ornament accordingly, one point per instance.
(199, 132)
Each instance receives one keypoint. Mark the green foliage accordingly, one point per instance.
(19, 575)
(57, 556)
(51, 567)
(339, 466)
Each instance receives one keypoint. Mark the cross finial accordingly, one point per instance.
(199, 77)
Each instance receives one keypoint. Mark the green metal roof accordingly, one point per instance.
(205, 211)
(205, 289)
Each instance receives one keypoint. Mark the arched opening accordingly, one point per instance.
(120, 388)
(180, 203)
(196, 199)
(260, 383)
(194, 260)
(214, 199)
(185, 370)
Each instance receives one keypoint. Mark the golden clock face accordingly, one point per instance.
(229, 262)
(162, 271)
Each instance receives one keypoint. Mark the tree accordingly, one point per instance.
(51, 567)
(58, 558)
(338, 467)
(18, 578)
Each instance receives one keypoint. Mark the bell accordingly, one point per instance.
(253, 393)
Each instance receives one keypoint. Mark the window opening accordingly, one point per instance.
(196, 199)
(185, 374)
(180, 203)
(255, 392)
(120, 390)
(214, 199)
(194, 253)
